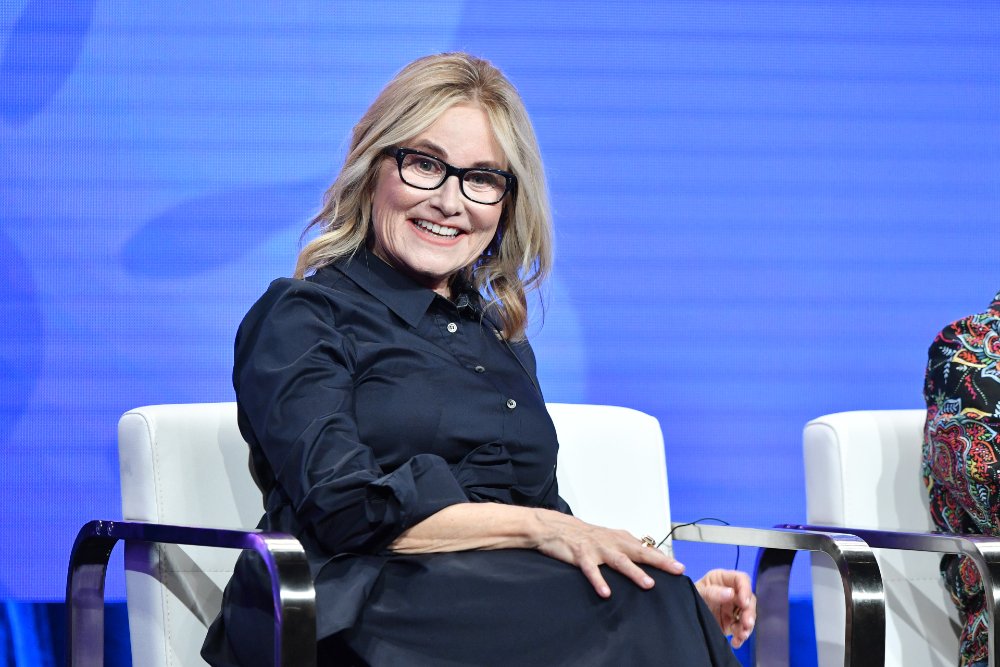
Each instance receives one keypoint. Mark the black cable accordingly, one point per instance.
(736, 566)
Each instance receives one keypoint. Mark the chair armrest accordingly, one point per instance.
(983, 550)
(291, 584)
(864, 643)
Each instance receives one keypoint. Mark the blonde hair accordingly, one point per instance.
(520, 256)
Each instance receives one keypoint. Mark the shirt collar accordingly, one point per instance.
(995, 306)
(399, 293)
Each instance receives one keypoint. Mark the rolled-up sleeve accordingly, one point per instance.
(294, 381)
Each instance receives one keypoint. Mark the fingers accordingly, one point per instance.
(738, 614)
(669, 564)
(744, 603)
(734, 618)
(627, 554)
(744, 619)
(623, 559)
(720, 599)
(737, 582)
(588, 547)
(593, 574)
(741, 586)
(626, 566)
(729, 596)
(647, 552)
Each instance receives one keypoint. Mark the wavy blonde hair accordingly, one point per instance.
(519, 258)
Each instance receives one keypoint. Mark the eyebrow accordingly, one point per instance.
(426, 144)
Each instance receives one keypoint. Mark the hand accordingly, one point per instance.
(730, 598)
(586, 546)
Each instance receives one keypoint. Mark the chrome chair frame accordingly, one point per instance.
(294, 598)
(291, 584)
(983, 550)
(863, 592)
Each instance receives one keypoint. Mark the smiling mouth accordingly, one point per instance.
(436, 229)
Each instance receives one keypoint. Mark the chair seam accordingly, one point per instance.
(841, 481)
(160, 550)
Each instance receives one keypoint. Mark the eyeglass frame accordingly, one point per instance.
(399, 153)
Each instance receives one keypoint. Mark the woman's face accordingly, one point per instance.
(431, 234)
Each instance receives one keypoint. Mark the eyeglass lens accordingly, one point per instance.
(428, 173)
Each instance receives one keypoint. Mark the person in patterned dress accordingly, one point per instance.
(960, 457)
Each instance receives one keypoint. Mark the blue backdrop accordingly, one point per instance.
(764, 212)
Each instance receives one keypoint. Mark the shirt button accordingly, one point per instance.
(480, 369)
(511, 403)
(452, 327)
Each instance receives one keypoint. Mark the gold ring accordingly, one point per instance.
(648, 541)
(737, 613)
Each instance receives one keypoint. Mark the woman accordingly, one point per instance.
(396, 426)
(961, 458)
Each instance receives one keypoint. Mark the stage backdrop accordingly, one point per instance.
(764, 212)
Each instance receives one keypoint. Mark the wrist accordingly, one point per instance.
(541, 526)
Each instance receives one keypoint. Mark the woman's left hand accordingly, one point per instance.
(730, 598)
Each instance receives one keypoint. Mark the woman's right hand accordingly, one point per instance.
(467, 526)
(567, 538)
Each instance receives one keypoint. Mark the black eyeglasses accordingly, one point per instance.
(426, 172)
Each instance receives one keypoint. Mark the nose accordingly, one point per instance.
(448, 197)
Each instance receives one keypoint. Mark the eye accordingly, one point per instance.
(484, 180)
(427, 165)
(423, 165)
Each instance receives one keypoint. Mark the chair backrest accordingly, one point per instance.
(612, 468)
(188, 465)
(863, 470)
(184, 465)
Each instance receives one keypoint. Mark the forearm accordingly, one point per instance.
(470, 526)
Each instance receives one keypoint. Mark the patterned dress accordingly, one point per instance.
(961, 455)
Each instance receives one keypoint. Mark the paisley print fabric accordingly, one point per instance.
(961, 451)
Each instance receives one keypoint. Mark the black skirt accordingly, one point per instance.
(516, 607)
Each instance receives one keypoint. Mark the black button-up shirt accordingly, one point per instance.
(370, 403)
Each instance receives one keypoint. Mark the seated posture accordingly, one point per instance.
(962, 456)
(397, 429)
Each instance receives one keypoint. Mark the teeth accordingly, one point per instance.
(435, 228)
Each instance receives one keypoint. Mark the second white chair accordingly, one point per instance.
(863, 476)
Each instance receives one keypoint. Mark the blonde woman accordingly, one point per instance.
(397, 429)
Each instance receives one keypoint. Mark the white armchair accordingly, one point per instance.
(185, 481)
(863, 476)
